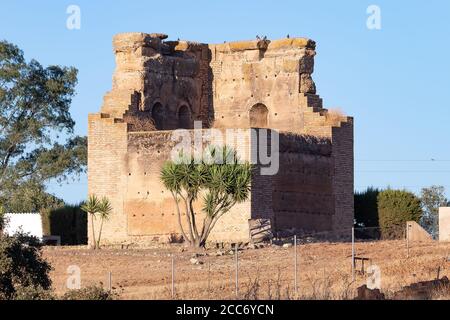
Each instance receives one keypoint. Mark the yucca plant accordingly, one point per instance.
(91, 207)
(224, 180)
(104, 211)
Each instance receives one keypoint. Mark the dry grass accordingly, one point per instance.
(334, 117)
(324, 270)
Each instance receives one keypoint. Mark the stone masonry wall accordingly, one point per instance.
(150, 208)
(107, 151)
(276, 74)
(163, 85)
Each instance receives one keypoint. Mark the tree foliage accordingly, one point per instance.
(37, 143)
(22, 267)
(432, 198)
(221, 180)
(366, 207)
(395, 208)
(366, 213)
(101, 207)
(93, 292)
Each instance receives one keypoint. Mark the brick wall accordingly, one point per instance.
(107, 150)
(313, 189)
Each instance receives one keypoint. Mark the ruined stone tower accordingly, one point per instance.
(159, 86)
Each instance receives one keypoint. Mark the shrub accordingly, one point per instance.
(33, 293)
(334, 117)
(22, 266)
(89, 293)
(366, 207)
(395, 207)
(68, 222)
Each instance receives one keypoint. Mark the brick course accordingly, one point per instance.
(218, 85)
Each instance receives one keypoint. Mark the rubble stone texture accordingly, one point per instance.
(161, 85)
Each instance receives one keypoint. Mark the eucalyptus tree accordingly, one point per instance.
(37, 141)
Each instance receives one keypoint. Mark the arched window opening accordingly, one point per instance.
(184, 118)
(258, 116)
(158, 116)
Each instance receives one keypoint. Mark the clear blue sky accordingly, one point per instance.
(394, 81)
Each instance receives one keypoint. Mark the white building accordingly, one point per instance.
(27, 222)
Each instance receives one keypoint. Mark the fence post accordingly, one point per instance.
(110, 281)
(173, 277)
(295, 265)
(407, 240)
(237, 271)
(353, 254)
(209, 280)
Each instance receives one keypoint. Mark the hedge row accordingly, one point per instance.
(68, 222)
(384, 213)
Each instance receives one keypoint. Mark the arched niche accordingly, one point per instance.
(184, 117)
(259, 116)
(158, 116)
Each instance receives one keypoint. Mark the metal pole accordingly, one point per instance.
(209, 280)
(237, 271)
(353, 254)
(295, 265)
(110, 281)
(173, 277)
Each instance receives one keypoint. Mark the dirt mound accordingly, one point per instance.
(365, 293)
(421, 290)
(417, 291)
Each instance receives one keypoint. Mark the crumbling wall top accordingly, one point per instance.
(133, 40)
(292, 42)
(264, 44)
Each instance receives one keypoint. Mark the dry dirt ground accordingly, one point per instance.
(324, 270)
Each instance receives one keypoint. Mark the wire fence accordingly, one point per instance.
(302, 266)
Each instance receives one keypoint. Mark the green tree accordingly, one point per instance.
(37, 143)
(29, 196)
(101, 207)
(432, 198)
(395, 208)
(104, 211)
(91, 208)
(22, 267)
(222, 181)
(366, 213)
(366, 207)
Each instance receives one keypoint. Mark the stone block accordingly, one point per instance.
(444, 224)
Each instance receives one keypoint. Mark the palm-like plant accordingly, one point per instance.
(224, 179)
(91, 207)
(104, 210)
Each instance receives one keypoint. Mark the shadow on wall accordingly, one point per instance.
(299, 196)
